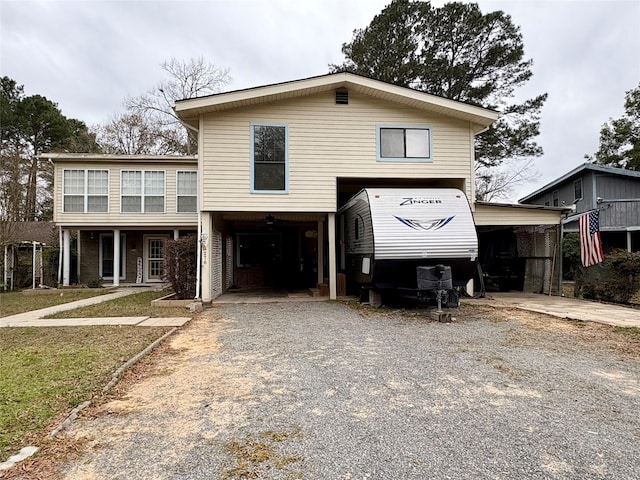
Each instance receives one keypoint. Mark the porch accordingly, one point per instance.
(115, 257)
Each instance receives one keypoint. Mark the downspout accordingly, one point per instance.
(198, 250)
(199, 238)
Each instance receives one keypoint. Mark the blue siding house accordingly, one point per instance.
(615, 191)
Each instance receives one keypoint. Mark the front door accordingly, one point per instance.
(259, 260)
(154, 261)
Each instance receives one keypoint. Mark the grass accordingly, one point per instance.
(256, 457)
(136, 305)
(633, 331)
(12, 303)
(45, 372)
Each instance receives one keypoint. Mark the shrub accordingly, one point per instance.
(95, 283)
(180, 266)
(619, 279)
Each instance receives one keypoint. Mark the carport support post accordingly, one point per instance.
(320, 251)
(66, 257)
(205, 257)
(333, 277)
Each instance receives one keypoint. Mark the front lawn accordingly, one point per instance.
(12, 303)
(136, 305)
(45, 372)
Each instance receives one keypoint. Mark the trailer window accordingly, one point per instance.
(358, 227)
(404, 143)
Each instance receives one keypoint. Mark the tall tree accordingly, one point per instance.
(32, 125)
(133, 134)
(456, 52)
(186, 79)
(620, 138)
(11, 189)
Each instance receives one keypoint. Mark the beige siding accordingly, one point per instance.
(326, 141)
(114, 217)
(504, 215)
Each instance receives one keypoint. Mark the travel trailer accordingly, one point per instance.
(388, 236)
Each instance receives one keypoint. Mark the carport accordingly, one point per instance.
(519, 246)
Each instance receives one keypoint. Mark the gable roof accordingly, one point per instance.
(189, 110)
(577, 172)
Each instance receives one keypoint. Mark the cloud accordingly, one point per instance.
(89, 56)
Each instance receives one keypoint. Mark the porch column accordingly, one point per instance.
(628, 241)
(78, 254)
(59, 255)
(6, 267)
(33, 266)
(320, 251)
(207, 263)
(333, 276)
(66, 257)
(176, 234)
(116, 257)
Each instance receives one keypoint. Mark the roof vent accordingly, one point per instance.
(342, 97)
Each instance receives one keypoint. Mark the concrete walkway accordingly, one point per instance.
(36, 318)
(567, 307)
(563, 307)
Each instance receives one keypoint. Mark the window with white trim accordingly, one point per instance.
(142, 191)
(269, 158)
(404, 143)
(186, 191)
(85, 191)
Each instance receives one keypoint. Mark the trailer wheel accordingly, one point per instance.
(364, 295)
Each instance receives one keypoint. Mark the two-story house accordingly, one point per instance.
(614, 191)
(274, 164)
(122, 207)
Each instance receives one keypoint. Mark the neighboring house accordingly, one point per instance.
(122, 206)
(274, 165)
(614, 191)
(23, 244)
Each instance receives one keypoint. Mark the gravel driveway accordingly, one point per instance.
(332, 391)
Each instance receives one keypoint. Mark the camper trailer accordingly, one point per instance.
(392, 239)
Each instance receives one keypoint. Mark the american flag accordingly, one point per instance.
(590, 242)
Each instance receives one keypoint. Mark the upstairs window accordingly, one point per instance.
(269, 158)
(577, 187)
(85, 191)
(404, 143)
(555, 200)
(187, 192)
(142, 191)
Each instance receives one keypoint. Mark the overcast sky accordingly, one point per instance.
(88, 56)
